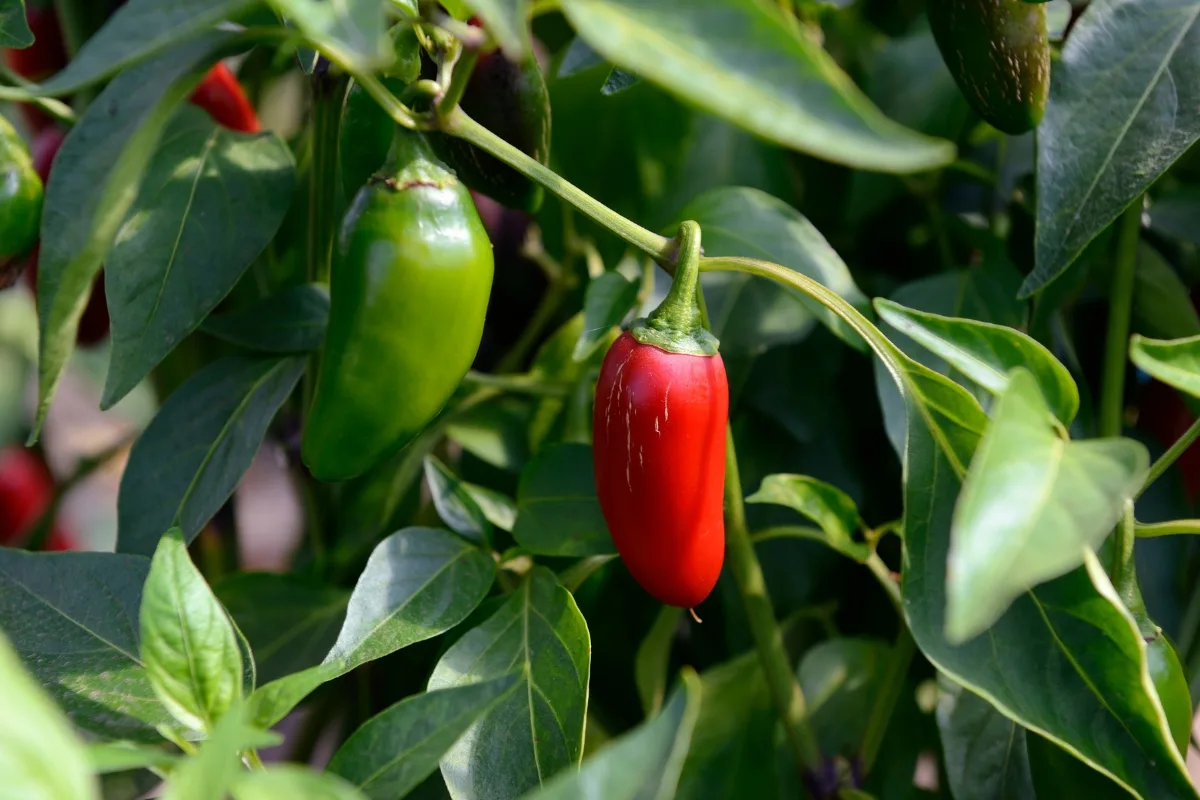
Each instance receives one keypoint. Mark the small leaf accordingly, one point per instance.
(508, 22)
(985, 353)
(397, 749)
(354, 31)
(39, 754)
(609, 298)
(293, 782)
(653, 659)
(618, 80)
(558, 513)
(109, 757)
(536, 730)
(578, 56)
(188, 645)
(14, 29)
(209, 774)
(840, 678)
(1175, 363)
(1030, 506)
(291, 321)
(500, 509)
(826, 505)
(187, 463)
(644, 763)
(455, 505)
(1162, 305)
(774, 81)
(985, 753)
(211, 200)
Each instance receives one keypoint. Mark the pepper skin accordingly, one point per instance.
(999, 54)
(408, 297)
(26, 490)
(222, 96)
(20, 196)
(46, 56)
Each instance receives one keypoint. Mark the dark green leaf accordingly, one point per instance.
(73, 617)
(39, 754)
(609, 299)
(290, 622)
(293, 782)
(507, 21)
(455, 505)
(557, 510)
(111, 757)
(985, 352)
(985, 753)
(290, 321)
(578, 57)
(1174, 213)
(538, 729)
(645, 763)
(826, 505)
(840, 679)
(209, 774)
(188, 644)
(419, 582)
(1162, 305)
(1175, 363)
(1057, 773)
(774, 81)
(211, 200)
(93, 185)
(499, 509)
(187, 463)
(1031, 504)
(1123, 107)
(618, 80)
(653, 659)
(14, 30)
(398, 748)
(352, 31)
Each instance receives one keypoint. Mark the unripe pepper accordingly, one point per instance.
(658, 438)
(999, 54)
(20, 196)
(409, 292)
(222, 96)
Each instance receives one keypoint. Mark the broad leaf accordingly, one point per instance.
(293, 782)
(508, 22)
(985, 353)
(1124, 105)
(211, 200)
(39, 754)
(650, 667)
(499, 509)
(291, 623)
(188, 644)
(1030, 505)
(840, 678)
(608, 300)
(398, 748)
(352, 31)
(645, 763)
(291, 321)
(1162, 303)
(984, 750)
(92, 186)
(209, 774)
(538, 729)
(1175, 363)
(455, 505)
(826, 505)
(773, 81)
(557, 510)
(14, 29)
(418, 583)
(187, 463)
(73, 617)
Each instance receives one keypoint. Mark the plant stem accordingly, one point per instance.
(1168, 458)
(884, 576)
(752, 587)
(460, 75)
(521, 384)
(1148, 530)
(889, 692)
(459, 124)
(1120, 305)
(18, 92)
(558, 291)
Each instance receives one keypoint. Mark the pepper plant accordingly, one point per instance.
(923, 471)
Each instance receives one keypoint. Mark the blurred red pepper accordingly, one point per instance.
(222, 96)
(46, 56)
(26, 491)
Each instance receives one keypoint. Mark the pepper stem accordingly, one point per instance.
(676, 326)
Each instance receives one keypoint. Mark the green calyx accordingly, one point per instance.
(412, 163)
(676, 326)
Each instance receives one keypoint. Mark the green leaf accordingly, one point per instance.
(747, 222)
(1123, 107)
(538, 729)
(1057, 773)
(397, 749)
(455, 505)
(653, 659)
(92, 187)
(1162, 305)
(618, 80)
(353, 32)
(292, 320)
(508, 22)
(293, 782)
(39, 754)
(187, 463)
(985, 353)
(110, 757)
(1175, 363)
(558, 513)
(188, 645)
(211, 200)
(826, 505)
(493, 432)
(645, 763)
(609, 298)
(773, 81)
(1174, 211)
(14, 29)
(500, 509)
(209, 774)
(1030, 505)
(418, 583)
(840, 678)
(290, 622)
(137, 30)
(73, 617)
(984, 751)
